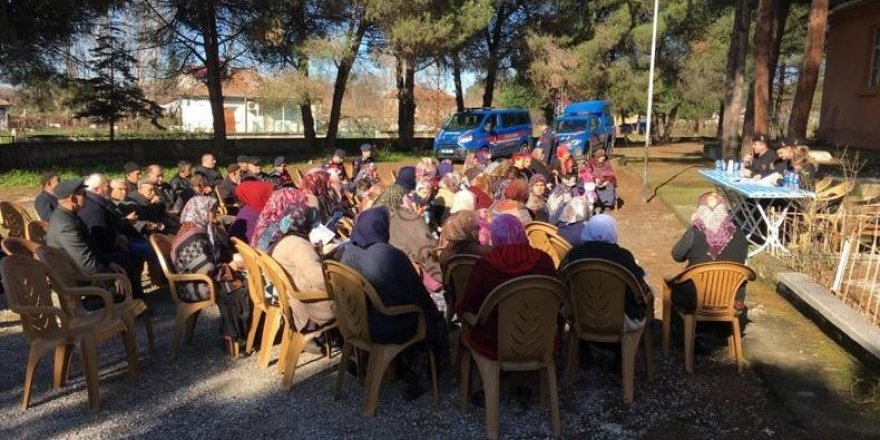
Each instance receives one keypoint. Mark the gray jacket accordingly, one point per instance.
(68, 233)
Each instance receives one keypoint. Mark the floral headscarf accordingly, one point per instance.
(317, 182)
(566, 166)
(299, 219)
(267, 231)
(715, 223)
(516, 190)
(194, 220)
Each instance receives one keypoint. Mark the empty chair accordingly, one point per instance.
(15, 219)
(19, 246)
(351, 293)
(543, 236)
(716, 286)
(48, 327)
(597, 292)
(187, 312)
(66, 275)
(36, 231)
(527, 309)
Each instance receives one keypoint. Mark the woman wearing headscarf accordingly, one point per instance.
(537, 201)
(317, 183)
(511, 256)
(515, 195)
(201, 247)
(302, 263)
(460, 236)
(450, 184)
(393, 195)
(571, 220)
(562, 166)
(253, 196)
(267, 231)
(600, 241)
(390, 272)
(600, 172)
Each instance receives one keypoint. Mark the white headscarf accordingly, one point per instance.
(463, 201)
(601, 227)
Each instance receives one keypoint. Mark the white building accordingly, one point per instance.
(192, 105)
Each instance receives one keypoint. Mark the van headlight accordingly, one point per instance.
(466, 139)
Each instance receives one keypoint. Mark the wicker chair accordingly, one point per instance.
(527, 310)
(47, 327)
(597, 292)
(351, 293)
(544, 236)
(716, 284)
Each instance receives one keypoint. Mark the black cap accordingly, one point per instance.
(279, 161)
(366, 147)
(130, 166)
(339, 153)
(244, 159)
(67, 187)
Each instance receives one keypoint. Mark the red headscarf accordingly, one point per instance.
(517, 190)
(483, 199)
(254, 194)
(565, 165)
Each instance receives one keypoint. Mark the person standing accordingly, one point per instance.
(46, 202)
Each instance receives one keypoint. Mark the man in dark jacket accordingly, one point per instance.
(366, 157)
(149, 207)
(132, 173)
(69, 233)
(226, 188)
(180, 182)
(208, 168)
(763, 162)
(46, 201)
(164, 191)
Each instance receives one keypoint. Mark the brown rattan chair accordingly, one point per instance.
(544, 236)
(455, 279)
(597, 294)
(351, 293)
(527, 309)
(187, 312)
(47, 327)
(292, 341)
(19, 246)
(66, 275)
(14, 219)
(716, 285)
(36, 231)
(263, 310)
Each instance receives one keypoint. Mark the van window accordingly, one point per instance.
(464, 121)
(594, 124)
(570, 125)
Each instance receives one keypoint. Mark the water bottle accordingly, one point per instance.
(719, 166)
(795, 181)
(730, 167)
(736, 172)
(786, 179)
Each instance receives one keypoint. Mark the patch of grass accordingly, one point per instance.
(30, 178)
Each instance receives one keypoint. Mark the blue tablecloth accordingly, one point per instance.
(753, 190)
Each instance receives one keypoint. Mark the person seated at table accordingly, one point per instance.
(200, 246)
(798, 160)
(253, 196)
(599, 238)
(391, 273)
(763, 161)
(572, 220)
(46, 202)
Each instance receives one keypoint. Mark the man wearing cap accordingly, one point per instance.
(338, 162)
(226, 188)
(763, 162)
(254, 170)
(46, 201)
(366, 157)
(208, 168)
(69, 233)
(132, 172)
(279, 175)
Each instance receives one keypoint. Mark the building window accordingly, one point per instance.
(874, 74)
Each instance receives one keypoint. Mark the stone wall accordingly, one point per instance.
(43, 155)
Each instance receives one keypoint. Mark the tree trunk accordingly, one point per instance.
(777, 96)
(305, 108)
(803, 97)
(733, 90)
(493, 42)
(748, 129)
(345, 65)
(718, 131)
(214, 77)
(456, 79)
(763, 57)
(780, 18)
(406, 104)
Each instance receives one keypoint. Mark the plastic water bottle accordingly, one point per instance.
(736, 172)
(729, 167)
(719, 166)
(795, 181)
(786, 179)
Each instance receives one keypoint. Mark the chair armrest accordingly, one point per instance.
(37, 310)
(198, 278)
(470, 319)
(311, 296)
(400, 310)
(109, 310)
(116, 277)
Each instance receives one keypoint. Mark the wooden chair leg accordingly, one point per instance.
(179, 329)
(282, 351)
(191, 326)
(690, 325)
(343, 367)
(89, 354)
(555, 421)
(379, 360)
(737, 342)
(148, 327)
(573, 361)
(464, 371)
(252, 332)
(629, 347)
(294, 348)
(128, 340)
(63, 353)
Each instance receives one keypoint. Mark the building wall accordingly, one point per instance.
(850, 110)
(195, 115)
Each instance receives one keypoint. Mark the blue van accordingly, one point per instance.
(504, 130)
(585, 126)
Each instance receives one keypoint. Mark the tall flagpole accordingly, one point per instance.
(645, 187)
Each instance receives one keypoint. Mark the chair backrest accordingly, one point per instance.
(458, 273)
(716, 284)
(350, 293)
(15, 219)
(527, 310)
(222, 209)
(36, 231)
(298, 175)
(597, 294)
(249, 256)
(280, 280)
(26, 284)
(162, 246)
(63, 270)
(344, 227)
(19, 246)
(544, 236)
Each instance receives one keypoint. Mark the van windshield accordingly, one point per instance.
(464, 121)
(570, 126)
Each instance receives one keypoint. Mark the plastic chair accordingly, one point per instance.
(527, 310)
(222, 209)
(187, 312)
(262, 307)
(46, 326)
(299, 176)
(544, 236)
(456, 277)
(292, 340)
(66, 275)
(597, 294)
(19, 246)
(36, 231)
(14, 219)
(716, 285)
(350, 293)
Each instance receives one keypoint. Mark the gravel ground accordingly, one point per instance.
(203, 394)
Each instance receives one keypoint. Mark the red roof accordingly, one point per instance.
(242, 83)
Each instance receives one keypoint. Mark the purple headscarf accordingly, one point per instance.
(506, 230)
